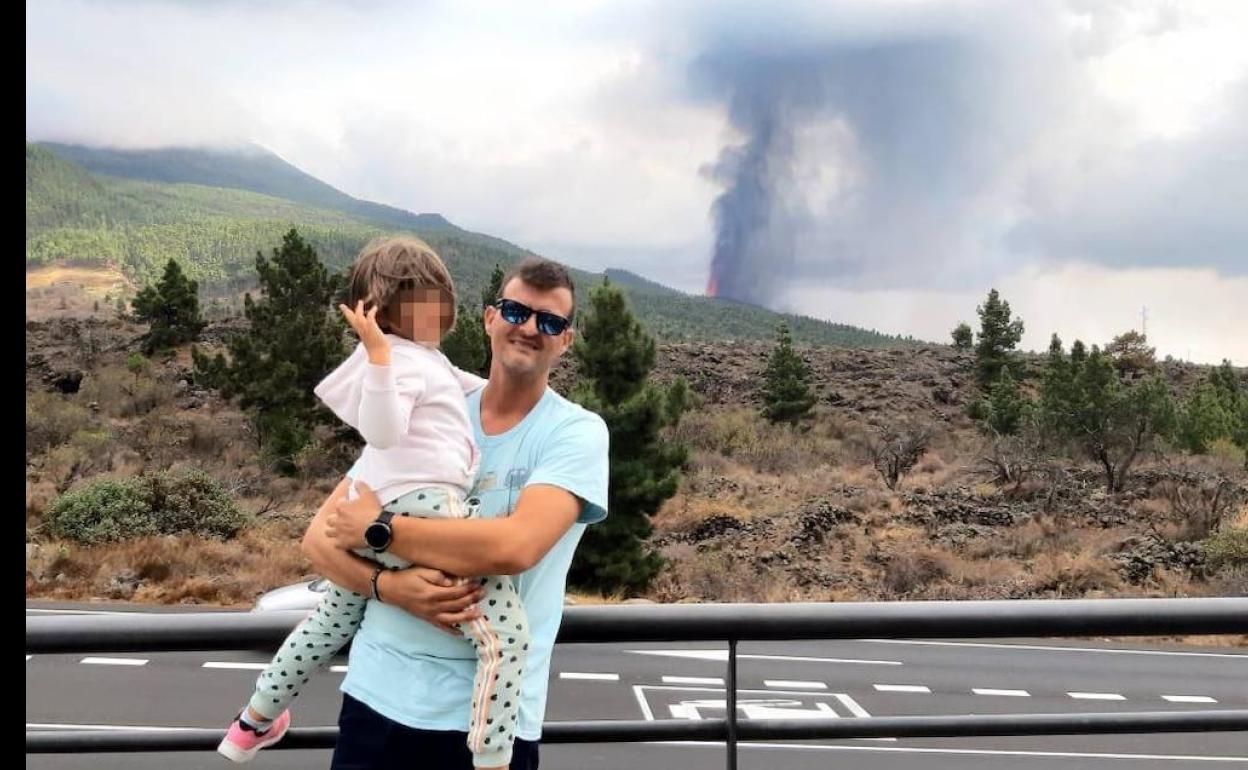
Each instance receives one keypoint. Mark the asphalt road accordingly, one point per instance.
(841, 679)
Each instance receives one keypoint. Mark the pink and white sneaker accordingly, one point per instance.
(241, 741)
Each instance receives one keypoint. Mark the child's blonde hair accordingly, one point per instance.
(387, 265)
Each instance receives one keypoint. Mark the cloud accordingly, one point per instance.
(857, 146)
(876, 148)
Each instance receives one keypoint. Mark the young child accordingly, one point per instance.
(407, 401)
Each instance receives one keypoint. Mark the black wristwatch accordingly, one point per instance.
(379, 534)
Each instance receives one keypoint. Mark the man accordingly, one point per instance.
(543, 478)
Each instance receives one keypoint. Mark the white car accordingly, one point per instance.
(299, 596)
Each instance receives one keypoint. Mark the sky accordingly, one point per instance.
(875, 162)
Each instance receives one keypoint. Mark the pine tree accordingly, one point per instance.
(171, 307)
(1057, 391)
(1229, 388)
(963, 337)
(1111, 422)
(1204, 419)
(1007, 407)
(1216, 408)
(614, 356)
(136, 364)
(1131, 354)
(294, 338)
(998, 335)
(488, 297)
(465, 346)
(786, 382)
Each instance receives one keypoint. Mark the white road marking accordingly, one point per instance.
(794, 685)
(1006, 693)
(853, 706)
(1189, 699)
(722, 655)
(60, 726)
(901, 688)
(1054, 648)
(640, 694)
(231, 665)
(1096, 695)
(338, 669)
(589, 677)
(85, 612)
(693, 680)
(979, 752)
(114, 661)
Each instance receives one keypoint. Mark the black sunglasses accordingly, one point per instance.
(516, 313)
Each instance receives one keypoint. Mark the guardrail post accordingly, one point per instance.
(731, 702)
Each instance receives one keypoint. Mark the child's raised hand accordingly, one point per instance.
(366, 328)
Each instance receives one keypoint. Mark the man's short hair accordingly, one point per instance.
(542, 274)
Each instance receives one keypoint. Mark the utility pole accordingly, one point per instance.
(1144, 321)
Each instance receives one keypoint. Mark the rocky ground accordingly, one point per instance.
(764, 513)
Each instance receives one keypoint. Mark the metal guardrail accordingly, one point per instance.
(716, 622)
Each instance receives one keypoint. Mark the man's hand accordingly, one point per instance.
(432, 596)
(366, 328)
(346, 520)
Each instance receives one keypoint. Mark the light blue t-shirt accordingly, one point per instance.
(408, 671)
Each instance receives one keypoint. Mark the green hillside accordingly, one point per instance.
(136, 224)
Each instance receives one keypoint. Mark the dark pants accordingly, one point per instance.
(369, 741)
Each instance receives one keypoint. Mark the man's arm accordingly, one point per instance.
(430, 595)
(501, 546)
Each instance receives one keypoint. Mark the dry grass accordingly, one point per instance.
(52, 419)
(1084, 573)
(745, 493)
(171, 569)
(1040, 535)
(740, 466)
(576, 597)
(750, 441)
(58, 293)
(90, 278)
(930, 473)
(118, 393)
(696, 574)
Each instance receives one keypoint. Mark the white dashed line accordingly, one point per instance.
(1189, 699)
(338, 669)
(589, 677)
(722, 655)
(1007, 693)
(693, 680)
(1096, 695)
(82, 612)
(901, 688)
(113, 661)
(1054, 648)
(229, 665)
(128, 728)
(967, 752)
(794, 685)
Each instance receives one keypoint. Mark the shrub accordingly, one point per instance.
(160, 503)
(50, 420)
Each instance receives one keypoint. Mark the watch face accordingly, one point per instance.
(377, 535)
